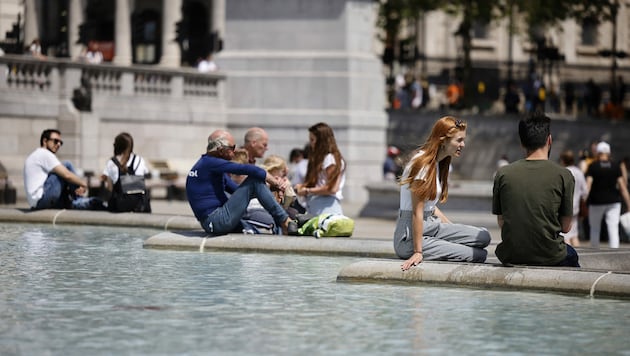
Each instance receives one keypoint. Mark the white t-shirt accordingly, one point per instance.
(207, 66)
(111, 170)
(299, 172)
(405, 193)
(36, 169)
(322, 179)
(580, 191)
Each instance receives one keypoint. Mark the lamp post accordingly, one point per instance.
(510, 38)
(613, 53)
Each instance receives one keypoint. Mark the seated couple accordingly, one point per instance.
(218, 202)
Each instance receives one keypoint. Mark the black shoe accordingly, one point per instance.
(292, 228)
(303, 218)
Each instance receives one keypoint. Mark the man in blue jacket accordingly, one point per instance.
(208, 182)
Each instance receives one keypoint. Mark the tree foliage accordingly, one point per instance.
(537, 16)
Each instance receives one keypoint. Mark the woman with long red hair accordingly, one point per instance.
(423, 232)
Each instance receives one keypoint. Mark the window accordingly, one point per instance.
(589, 31)
(480, 30)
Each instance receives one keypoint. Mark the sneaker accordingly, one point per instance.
(292, 228)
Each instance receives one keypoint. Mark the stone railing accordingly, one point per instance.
(168, 110)
(54, 80)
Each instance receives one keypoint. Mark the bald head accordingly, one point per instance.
(221, 134)
(256, 141)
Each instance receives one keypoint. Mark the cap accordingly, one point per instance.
(393, 151)
(603, 147)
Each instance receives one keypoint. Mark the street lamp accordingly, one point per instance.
(613, 53)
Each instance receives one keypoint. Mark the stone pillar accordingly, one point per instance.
(218, 17)
(171, 13)
(75, 19)
(122, 54)
(31, 25)
(314, 63)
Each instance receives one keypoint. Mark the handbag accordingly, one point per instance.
(130, 191)
(328, 225)
(583, 213)
(624, 221)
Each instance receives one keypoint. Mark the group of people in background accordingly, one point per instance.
(569, 98)
(600, 194)
(52, 184)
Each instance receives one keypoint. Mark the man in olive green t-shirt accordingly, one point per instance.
(533, 201)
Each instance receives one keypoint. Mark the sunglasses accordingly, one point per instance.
(233, 147)
(56, 141)
(459, 123)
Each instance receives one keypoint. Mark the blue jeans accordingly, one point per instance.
(227, 218)
(572, 259)
(59, 194)
(319, 204)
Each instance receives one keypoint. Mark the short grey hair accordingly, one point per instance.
(216, 143)
(253, 134)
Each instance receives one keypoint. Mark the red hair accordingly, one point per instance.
(444, 129)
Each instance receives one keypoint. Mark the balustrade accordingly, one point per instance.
(107, 81)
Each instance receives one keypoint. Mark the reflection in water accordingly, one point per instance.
(95, 290)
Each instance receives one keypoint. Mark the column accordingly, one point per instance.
(122, 54)
(218, 17)
(74, 20)
(171, 13)
(31, 25)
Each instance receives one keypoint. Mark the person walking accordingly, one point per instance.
(580, 193)
(607, 188)
(423, 232)
(532, 216)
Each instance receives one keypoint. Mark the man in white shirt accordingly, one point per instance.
(50, 184)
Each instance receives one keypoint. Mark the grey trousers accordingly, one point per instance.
(441, 242)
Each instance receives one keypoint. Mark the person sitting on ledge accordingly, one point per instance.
(208, 181)
(533, 201)
(50, 184)
(423, 232)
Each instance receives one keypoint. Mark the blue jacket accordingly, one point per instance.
(208, 181)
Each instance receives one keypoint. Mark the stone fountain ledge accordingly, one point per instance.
(604, 273)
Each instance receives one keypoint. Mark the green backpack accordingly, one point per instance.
(328, 225)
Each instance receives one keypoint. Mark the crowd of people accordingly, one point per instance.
(227, 190)
(238, 189)
(588, 98)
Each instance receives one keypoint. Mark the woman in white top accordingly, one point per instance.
(325, 176)
(423, 232)
(129, 161)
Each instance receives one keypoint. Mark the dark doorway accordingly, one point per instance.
(196, 42)
(54, 29)
(146, 37)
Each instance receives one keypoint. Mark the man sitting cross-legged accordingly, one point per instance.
(208, 182)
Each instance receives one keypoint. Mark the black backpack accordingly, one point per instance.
(129, 192)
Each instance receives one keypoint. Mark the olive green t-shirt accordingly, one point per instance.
(532, 196)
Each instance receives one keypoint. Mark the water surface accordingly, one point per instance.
(95, 291)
